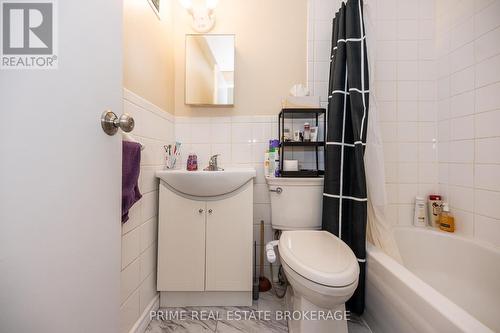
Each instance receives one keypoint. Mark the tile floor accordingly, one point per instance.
(266, 302)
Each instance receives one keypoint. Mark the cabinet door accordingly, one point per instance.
(181, 243)
(229, 242)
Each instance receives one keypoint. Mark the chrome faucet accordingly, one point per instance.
(212, 164)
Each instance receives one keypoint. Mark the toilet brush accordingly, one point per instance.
(264, 283)
(255, 288)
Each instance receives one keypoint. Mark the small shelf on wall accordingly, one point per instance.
(302, 173)
(301, 113)
(302, 144)
(313, 114)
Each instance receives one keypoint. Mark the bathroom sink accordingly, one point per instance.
(206, 183)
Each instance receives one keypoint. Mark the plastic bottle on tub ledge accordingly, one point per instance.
(435, 207)
(446, 220)
(420, 219)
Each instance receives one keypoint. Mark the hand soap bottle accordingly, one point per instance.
(446, 220)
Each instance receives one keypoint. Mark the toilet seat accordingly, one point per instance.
(320, 257)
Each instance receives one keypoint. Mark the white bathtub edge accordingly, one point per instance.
(449, 310)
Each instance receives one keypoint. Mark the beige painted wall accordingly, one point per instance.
(271, 47)
(148, 52)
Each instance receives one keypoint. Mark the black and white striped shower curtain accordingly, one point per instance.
(345, 197)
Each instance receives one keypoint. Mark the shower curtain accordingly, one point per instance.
(379, 231)
(345, 193)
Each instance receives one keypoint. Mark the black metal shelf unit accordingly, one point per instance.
(313, 114)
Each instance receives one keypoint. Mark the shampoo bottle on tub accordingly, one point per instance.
(420, 219)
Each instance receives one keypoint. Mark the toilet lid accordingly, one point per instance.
(319, 256)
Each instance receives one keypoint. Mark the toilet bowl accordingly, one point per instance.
(323, 273)
(322, 270)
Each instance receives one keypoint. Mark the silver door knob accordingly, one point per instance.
(200, 211)
(210, 211)
(110, 122)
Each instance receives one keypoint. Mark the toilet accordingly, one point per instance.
(322, 270)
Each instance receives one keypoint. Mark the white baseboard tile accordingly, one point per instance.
(205, 298)
(143, 321)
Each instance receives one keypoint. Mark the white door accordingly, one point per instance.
(229, 242)
(60, 180)
(181, 243)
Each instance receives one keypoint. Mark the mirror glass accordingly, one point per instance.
(210, 69)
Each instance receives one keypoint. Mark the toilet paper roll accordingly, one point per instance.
(290, 165)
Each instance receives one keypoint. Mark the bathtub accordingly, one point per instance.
(446, 284)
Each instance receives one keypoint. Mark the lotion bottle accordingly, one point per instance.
(266, 163)
(420, 219)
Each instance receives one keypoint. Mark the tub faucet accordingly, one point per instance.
(212, 164)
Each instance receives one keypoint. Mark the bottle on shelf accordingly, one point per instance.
(307, 132)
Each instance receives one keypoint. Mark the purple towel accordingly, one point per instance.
(131, 164)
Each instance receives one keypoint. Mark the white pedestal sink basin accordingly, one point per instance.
(206, 183)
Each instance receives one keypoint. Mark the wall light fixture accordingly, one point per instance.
(203, 16)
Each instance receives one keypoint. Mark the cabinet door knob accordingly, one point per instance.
(210, 211)
(200, 211)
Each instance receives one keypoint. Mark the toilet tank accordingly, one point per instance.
(299, 203)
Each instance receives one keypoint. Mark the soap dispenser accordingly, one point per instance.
(446, 220)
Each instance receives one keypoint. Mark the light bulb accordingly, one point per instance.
(211, 4)
(188, 4)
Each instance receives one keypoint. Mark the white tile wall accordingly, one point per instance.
(241, 141)
(154, 128)
(406, 87)
(319, 37)
(437, 75)
(469, 114)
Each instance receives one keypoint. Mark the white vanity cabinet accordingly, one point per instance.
(205, 247)
(181, 242)
(229, 233)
